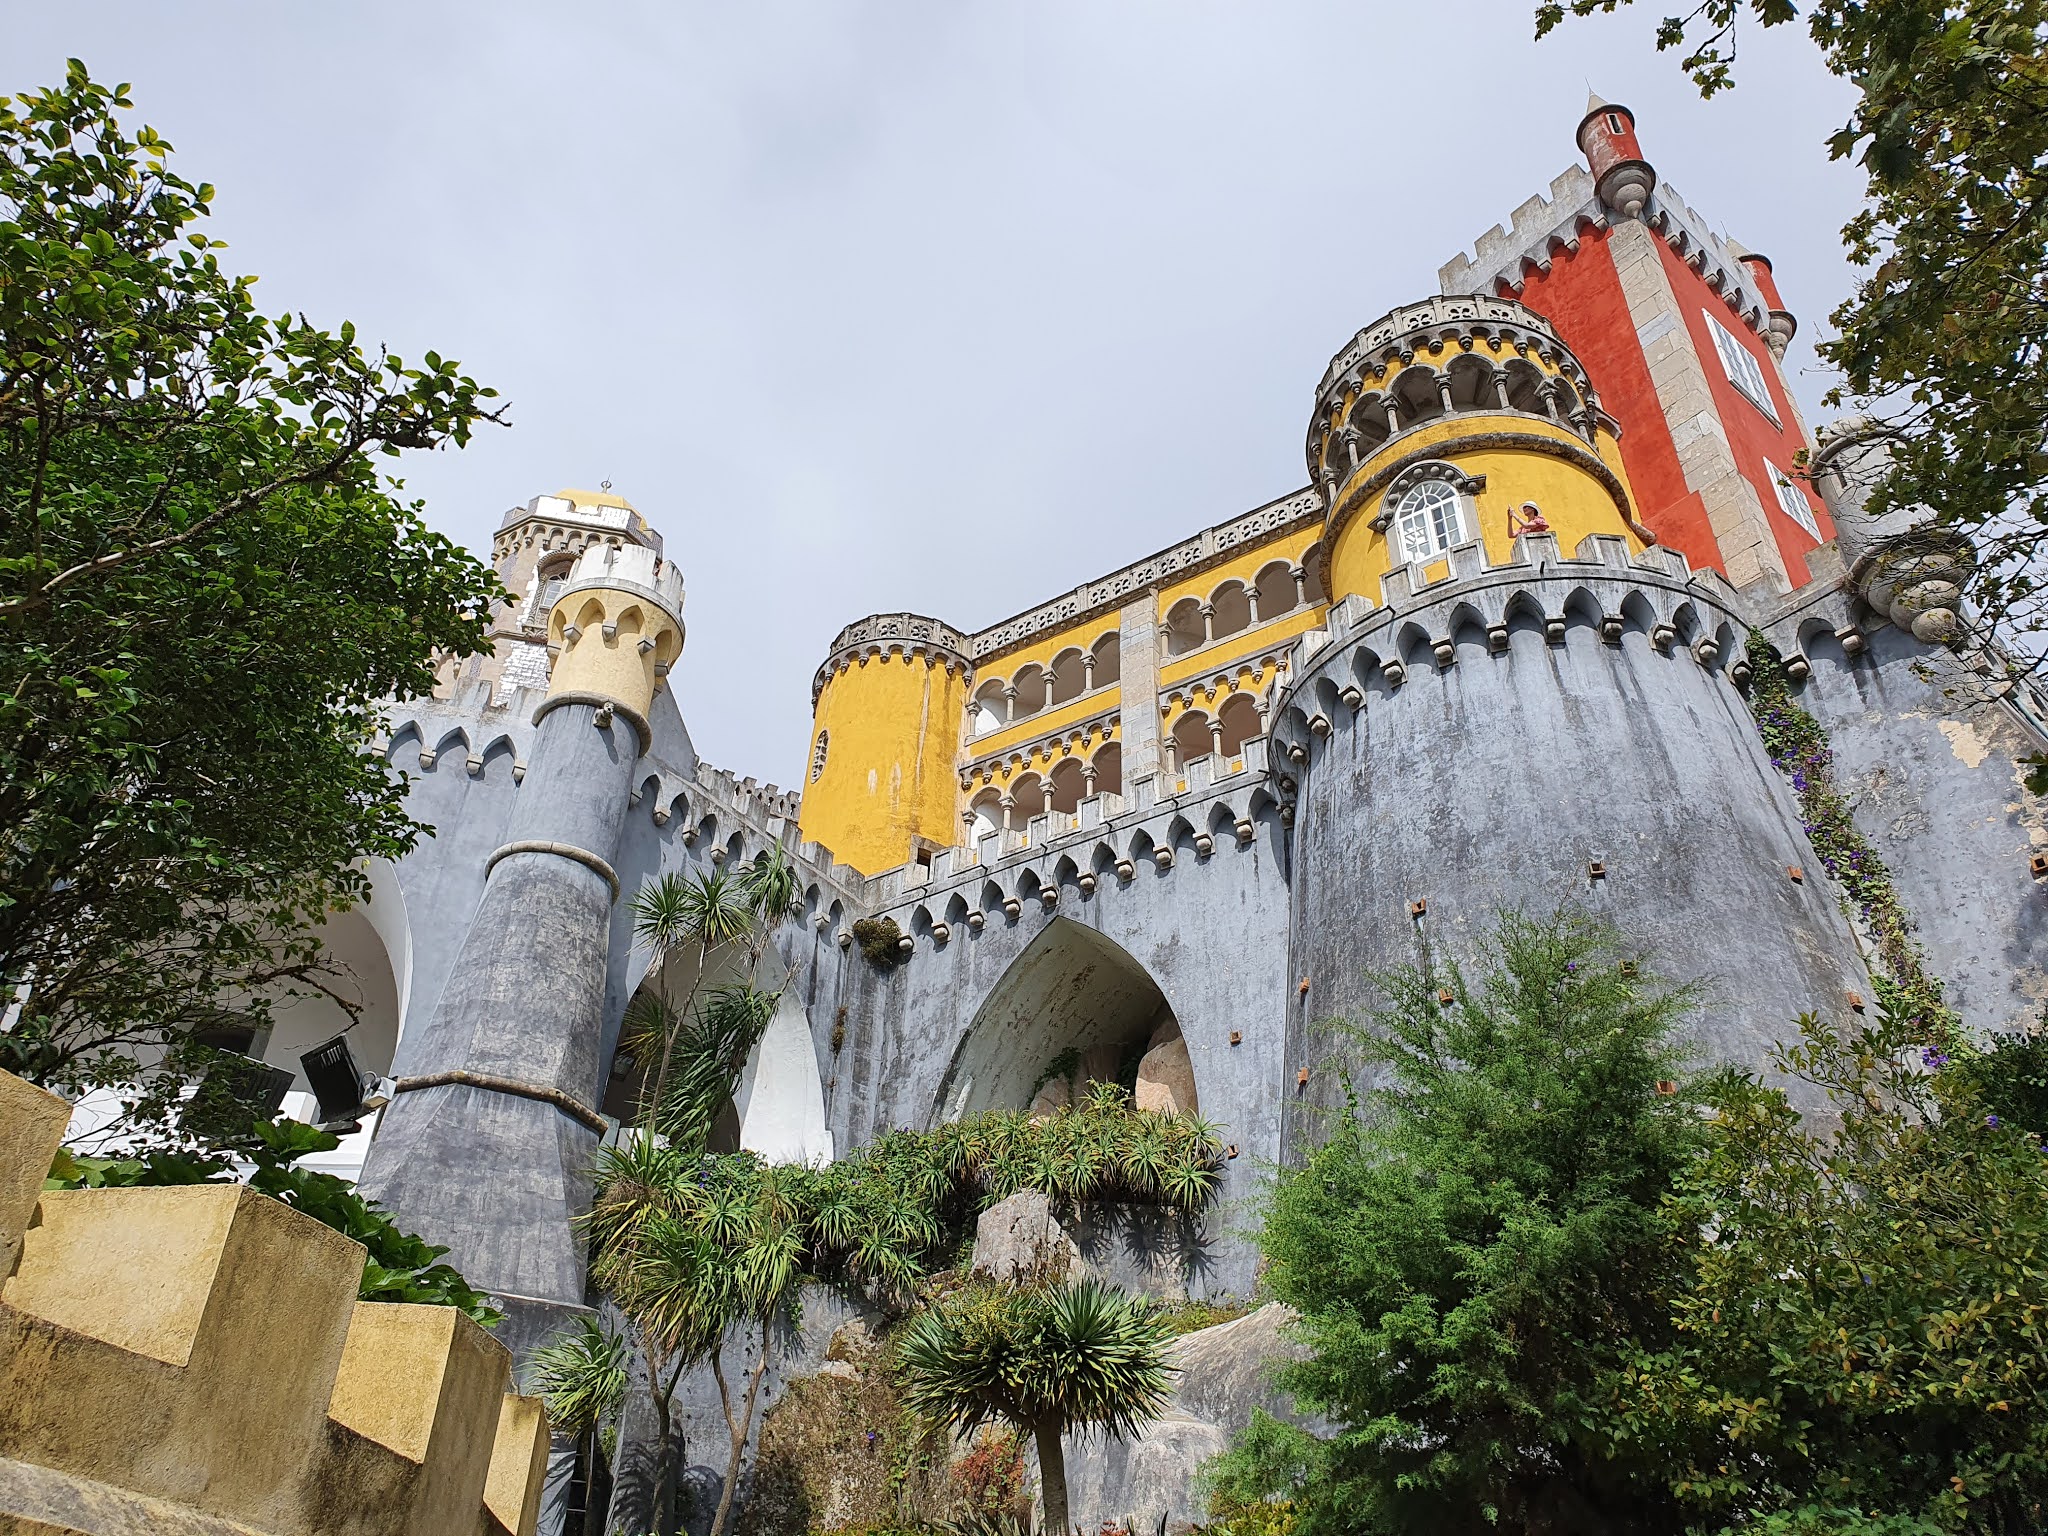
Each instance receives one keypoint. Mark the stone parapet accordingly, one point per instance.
(194, 1360)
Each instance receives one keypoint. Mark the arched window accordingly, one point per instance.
(818, 754)
(1431, 518)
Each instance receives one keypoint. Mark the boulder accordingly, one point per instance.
(1150, 1482)
(1145, 1484)
(1020, 1242)
(1166, 1078)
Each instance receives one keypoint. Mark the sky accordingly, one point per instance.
(941, 305)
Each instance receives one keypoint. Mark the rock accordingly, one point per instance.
(853, 1341)
(1227, 1371)
(845, 1370)
(1019, 1242)
(1056, 1094)
(1224, 1373)
(1166, 1078)
(1145, 1483)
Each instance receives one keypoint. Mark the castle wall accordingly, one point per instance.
(1509, 763)
(1932, 768)
(1210, 930)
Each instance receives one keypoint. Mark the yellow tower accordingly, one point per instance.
(1453, 421)
(616, 627)
(886, 714)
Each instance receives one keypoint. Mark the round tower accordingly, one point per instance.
(1781, 325)
(1455, 421)
(887, 709)
(1518, 720)
(1622, 178)
(486, 1146)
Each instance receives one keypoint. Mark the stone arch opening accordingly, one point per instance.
(1074, 1008)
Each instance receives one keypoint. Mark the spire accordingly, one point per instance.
(1594, 101)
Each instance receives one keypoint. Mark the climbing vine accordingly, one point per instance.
(1799, 749)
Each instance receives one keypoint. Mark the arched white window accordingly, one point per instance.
(818, 754)
(1431, 518)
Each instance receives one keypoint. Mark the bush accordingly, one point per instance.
(878, 938)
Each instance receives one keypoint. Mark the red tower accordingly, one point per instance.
(1683, 335)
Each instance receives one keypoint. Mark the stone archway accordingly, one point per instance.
(1075, 1007)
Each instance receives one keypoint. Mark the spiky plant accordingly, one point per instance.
(583, 1375)
(1078, 1356)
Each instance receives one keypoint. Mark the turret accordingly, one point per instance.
(1622, 179)
(1780, 325)
(1454, 421)
(487, 1144)
(887, 707)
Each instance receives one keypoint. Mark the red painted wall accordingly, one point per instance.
(1581, 296)
(1750, 432)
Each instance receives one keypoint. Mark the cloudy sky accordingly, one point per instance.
(934, 304)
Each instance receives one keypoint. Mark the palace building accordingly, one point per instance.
(1491, 653)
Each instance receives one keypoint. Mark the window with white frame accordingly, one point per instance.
(1743, 370)
(1431, 518)
(1792, 500)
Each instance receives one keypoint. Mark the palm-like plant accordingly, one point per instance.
(1078, 1356)
(583, 1376)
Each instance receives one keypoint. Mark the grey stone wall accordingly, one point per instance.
(1552, 716)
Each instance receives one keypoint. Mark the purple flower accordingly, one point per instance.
(1933, 1058)
(1992, 1121)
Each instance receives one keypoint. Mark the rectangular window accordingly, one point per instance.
(1743, 370)
(1792, 500)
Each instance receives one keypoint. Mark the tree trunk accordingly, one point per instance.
(1052, 1479)
(664, 1471)
(739, 1433)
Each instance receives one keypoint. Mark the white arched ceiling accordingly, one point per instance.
(780, 1098)
(1071, 989)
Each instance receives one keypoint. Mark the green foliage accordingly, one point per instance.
(1864, 1344)
(205, 591)
(1477, 1250)
(584, 1374)
(1076, 1356)
(1799, 749)
(2008, 1075)
(398, 1267)
(878, 938)
(1944, 345)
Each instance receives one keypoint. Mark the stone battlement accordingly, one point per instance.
(194, 1360)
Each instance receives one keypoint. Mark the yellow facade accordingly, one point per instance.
(882, 776)
(1484, 388)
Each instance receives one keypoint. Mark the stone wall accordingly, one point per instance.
(193, 1360)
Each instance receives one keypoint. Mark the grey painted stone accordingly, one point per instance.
(1019, 1241)
(1152, 1481)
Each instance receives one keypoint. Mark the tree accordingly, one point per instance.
(584, 1376)
(1478, 1249)
(1944, 345)
(1863, 1347)
(679, 1244)
(205, 591)
(1047, 1361)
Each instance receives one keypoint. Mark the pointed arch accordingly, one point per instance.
(1074, 990)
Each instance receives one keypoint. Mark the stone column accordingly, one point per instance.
(1138, 689)
(487, 1145)
(1088, 672)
